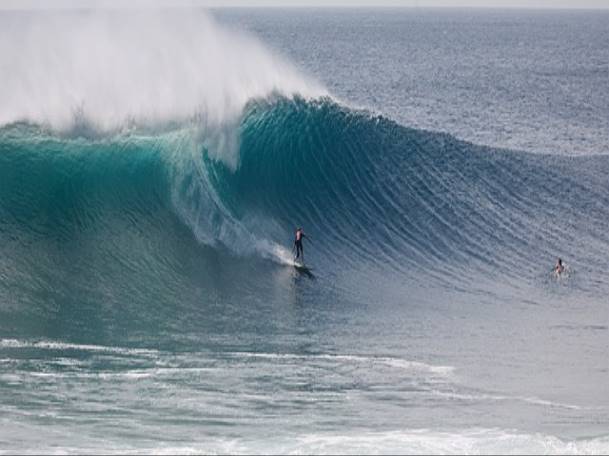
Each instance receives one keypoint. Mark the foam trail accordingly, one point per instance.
(54, 345)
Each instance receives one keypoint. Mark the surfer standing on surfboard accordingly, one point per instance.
(298, 243)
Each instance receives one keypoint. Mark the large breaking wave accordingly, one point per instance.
(368, 190)
(129, 137)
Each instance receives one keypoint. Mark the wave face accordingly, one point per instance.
(168, 119)
(372, 194)
(376, 192)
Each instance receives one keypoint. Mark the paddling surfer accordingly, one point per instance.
(559, 268)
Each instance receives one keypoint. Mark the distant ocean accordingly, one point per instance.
(155, 164)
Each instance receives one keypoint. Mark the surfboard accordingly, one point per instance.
(303, 269)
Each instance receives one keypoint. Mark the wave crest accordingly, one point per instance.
(113, 70)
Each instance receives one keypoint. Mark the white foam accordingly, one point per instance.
(414, 441)
(500, 397)
(113, 68)
(424, 441)
(274, 252)
(390, 361)
(132, 374)
(53, 345)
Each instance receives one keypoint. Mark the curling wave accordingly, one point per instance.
(368, 189)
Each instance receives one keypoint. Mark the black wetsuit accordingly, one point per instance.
(298, 244)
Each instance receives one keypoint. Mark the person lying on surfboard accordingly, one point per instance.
(559, 268)
(298, 244)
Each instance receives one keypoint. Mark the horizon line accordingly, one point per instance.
(177, 5)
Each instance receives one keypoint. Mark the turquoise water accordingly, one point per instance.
(147, 297)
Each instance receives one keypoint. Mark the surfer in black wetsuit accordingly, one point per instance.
(298, 243)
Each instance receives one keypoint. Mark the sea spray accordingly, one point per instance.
(107, 71)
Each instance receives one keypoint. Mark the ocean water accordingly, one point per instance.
(153, 167)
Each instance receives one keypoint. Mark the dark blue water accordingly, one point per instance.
(531, 80)
(150, 182)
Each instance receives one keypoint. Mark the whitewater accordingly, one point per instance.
(155, 163)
